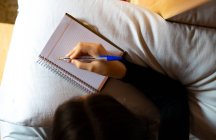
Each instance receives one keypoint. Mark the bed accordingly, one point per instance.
(29, 94)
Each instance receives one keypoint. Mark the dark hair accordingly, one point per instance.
(96, 117)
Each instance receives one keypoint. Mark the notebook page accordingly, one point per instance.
(69, 33)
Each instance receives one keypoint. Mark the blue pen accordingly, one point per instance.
(90, 58)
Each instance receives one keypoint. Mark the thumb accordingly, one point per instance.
(82, 65)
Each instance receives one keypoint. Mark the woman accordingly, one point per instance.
(169, 96)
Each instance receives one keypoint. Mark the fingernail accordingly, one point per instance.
(73, 61)
(67, 55)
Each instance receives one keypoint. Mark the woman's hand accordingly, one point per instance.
(114, 69)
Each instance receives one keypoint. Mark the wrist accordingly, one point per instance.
(118, 70)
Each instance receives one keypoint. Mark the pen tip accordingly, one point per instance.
(64, 58)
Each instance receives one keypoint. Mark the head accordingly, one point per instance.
(96, 117)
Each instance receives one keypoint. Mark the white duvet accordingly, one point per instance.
(31, 93)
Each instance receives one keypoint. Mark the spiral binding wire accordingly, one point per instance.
(65, 75)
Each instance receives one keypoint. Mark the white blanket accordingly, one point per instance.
(183, 52)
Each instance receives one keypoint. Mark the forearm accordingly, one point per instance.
(154, 84)
(145, 78)
(169, 96)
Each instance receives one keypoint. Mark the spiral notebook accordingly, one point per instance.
(68, 33)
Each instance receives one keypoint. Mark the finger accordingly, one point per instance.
(92, 49)
(75, 51)
(70, 53)
(79, 50)
(82, 65)
(97, 50)
(86, 48)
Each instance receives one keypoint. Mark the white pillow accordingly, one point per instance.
(31, 93)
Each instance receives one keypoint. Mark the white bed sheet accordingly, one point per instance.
(183, 52)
